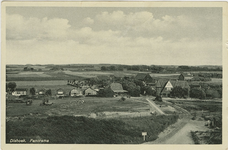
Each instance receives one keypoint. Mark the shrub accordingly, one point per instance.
(197, 93)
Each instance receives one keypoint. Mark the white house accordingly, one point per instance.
(20, 91)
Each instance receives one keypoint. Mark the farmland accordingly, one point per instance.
(133, 112)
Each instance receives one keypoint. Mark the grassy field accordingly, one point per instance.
(70, 106)
(193, 106)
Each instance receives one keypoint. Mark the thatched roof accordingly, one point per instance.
(162, 83)
(116, 87)
(187, 75)
(141, 76)
(183, 84)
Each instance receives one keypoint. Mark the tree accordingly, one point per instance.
(107, 92)
(131, 87)
(12, 86)
(7, 87)
(32, 91)
(212, 93)
(179, 92)
(48, 92)
(197, 93)
(103, 68)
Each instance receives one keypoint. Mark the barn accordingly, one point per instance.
(117, 88)
(145, 77)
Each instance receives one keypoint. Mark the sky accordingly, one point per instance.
(121, 35)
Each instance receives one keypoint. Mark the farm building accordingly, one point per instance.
(145, 77)
(20, 91)
(41, 92)
(90, 91)
(185, 76)
(75, 92)
(59, 93)
(164, 87)
(116, 88)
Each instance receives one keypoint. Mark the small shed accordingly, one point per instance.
(75, 92)
(90, 91)
(41, 92)
(60, 92)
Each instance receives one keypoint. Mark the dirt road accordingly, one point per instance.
(156, 107)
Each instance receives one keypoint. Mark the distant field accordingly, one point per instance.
(162, 75)
(41, 83)
(29, 74)
(87, 74)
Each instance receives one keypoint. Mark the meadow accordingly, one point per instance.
(70, 106)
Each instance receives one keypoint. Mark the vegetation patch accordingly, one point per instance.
(82, 130)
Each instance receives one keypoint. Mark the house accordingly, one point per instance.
(145, 77)
(185, 76)
(164, 87)
(90, 91)
(60, 93)
(41, 92)
(116, 88)
(75, 92)
(20, 92)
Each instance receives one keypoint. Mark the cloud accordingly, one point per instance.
(143, 21)
(110, 37)
(88, 20)
(18, 27)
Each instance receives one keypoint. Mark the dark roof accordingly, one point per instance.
(141, 76)
(21, 89)
(60, 89)
(161, 83)
(183, 84)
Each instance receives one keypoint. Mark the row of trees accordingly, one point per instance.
(196, 93)
(157, 68)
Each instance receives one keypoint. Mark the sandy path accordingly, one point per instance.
(179, 133)
(153, 105)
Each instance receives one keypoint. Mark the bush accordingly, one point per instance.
(179, 92)
(82, 130)
(197, 93)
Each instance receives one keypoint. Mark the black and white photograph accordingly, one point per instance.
(139, 74)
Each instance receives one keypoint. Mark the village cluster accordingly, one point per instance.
(114, 85)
